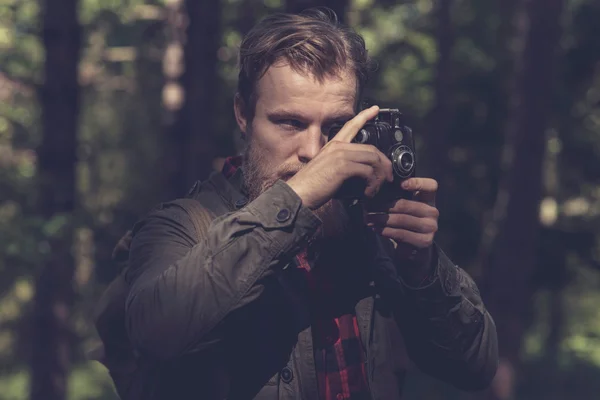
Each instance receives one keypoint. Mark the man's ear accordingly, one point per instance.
(239, 108)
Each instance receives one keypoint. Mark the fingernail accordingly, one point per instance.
(405, 185)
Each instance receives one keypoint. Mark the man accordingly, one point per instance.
(290, 295)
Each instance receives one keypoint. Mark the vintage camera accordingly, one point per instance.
(393, 138)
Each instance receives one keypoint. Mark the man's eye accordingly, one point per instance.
(291, 124)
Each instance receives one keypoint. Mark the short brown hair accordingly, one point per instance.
(312, 41)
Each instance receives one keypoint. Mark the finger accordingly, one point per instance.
(373, 178)
(387, 166)
(359, 170)
(403, 221)
(414, 208)
(380, 162)
(346, 152)
(420, 184)
(424, 189)
(351, 128)
(419, 240)
(365, 154)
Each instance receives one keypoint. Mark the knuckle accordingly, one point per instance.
(430, 238)
(339, 154)
(342, 163)
(372, 148)
(400, 205)
(431, 226)
(334, 145)
(372, 173)
(424, 241)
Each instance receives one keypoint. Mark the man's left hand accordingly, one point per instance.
(411, 224)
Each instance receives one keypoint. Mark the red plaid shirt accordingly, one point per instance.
(339, 359)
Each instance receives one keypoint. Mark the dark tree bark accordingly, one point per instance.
(340, 7)
(513, 254)
(248, 15)
(441, 113)
(190, 143)
(59, 96)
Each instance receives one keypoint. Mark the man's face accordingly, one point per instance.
(292, 116)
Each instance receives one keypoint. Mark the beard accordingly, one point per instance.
(260, 175)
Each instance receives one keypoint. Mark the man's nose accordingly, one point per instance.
(311, 143)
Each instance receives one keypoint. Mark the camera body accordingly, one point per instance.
(388, 133)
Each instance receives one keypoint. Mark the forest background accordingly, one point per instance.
(108, 107)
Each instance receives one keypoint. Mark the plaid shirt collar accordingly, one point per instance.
(231, 165)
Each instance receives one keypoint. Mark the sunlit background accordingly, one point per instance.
(503, 95)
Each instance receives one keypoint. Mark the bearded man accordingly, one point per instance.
(287, 295)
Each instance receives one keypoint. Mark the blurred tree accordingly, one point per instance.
(441, 113)
(51, 341)
(247, 12)
(190, 64)
(340, 7)
(512, 258)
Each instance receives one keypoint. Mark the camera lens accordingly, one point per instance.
(406, 161)
(403, 161)
(362, 136)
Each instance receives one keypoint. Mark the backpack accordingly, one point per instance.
(204, 202)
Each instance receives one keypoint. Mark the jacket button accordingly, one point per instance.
(241, 202)
(287, 375)
(283, 215)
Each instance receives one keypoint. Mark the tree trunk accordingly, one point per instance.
(441, 115)
(340, 7)
(248, 15)
(513, 255)
(56, 170)
(190, 143)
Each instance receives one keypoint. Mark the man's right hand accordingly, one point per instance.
(340, 160)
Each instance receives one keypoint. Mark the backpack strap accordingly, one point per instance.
(201, 216)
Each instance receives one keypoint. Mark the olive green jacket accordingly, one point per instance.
(218, 313)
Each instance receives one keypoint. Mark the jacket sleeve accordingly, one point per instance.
(182, 291)
(448, 332)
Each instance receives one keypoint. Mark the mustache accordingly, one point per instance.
(287, 171)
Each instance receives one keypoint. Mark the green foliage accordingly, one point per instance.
(86, 382)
